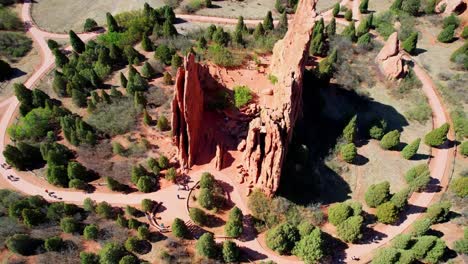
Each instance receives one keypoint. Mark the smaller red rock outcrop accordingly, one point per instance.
(448, 7)
(390, 59)
(187, 111)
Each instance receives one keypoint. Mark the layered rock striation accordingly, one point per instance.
(390, 59)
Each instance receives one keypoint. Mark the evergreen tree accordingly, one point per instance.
(279, 6)
(390, 140)
(52, 44)
(206, 246)
(76, 43)
(268, 21)
(157, 30)
(139, 99)
(410, 150)
(78, 98)
(363, 6)
(89, 25)
(201, 43)
(410, 43)
(365, 40)
(147, 118)
(331, 28)
(259, 31)
(238, 37)
(437, 136)
(115, 53)
(350, 32)
(167, 78)
(106, 98)
(317, 46)
(60, 84)
(147, 71)
(230, 252)
(123, 80)
(24, 95)
(176, 61)
(112, 25)
(396, 5)
(146, 43)
(446, 35)
(349, 132)
(60, 58)
(168, 29)
(348, 15)
(90, 106)
(179, 229)
(240, 26)
(363, 27)
(336, 9)
(234, 225)
(283, 22)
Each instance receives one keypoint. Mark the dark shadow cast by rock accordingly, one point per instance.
(251, 255)
(360, 160)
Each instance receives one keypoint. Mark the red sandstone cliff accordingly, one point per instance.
(270, 134)
(187, 111)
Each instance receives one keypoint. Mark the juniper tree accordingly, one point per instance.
(168, 29)
(363, 6)
(331, 28)
(76, 43)
(60, 58)
(259, 31)
(146, 43)
(446, 35)
(410, 43)
(437, 136)
(283, 22)
(349, 132)
(336, 9)
(112, 25)
(268, 21)
(350, 32)
(147, 71)
(123, 80)
(410, 150)
(349, 15)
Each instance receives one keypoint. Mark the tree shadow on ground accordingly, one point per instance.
(421, 157)
(334, 248)
(409, 210)
(371, 236)
(360, 160)
(249, 233)
(433, 186)
(15, 73)
(251, 255)
(144, 247)
(327, 109)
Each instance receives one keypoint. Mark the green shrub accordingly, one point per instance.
(351, 229)
(207, 180)
(90, 25)
(89, 258)
(163, 162)
(311, 248)
(464, 148)
(171, 174)
(111, 253)
(242, 96)
(179, 229)
(401, 241)
(418, 177)
(14, 44)
(377, 131)
(53, 243)
(222, 56)
(460, 186)
(22, 244)
(349, 15)
(230, 251)
(410, 150)
(385, 256)
(411, 6)
(451, 20)
(91, 232)
(387, 213)
(338, 213)
(421, 226)
(336, 9)
(400, 199)
(377, 194)
(198, 216)
(446, 35)
(206, 198)
(116, 118)
(163, 123)
(234, 225)
(390, 140)
(437, 136)
(68, 225)
(438, 212)
(461, 246)
(422, 246)
(464, 33)
(349, 132)
(436, 253)
(9, 20)
(147, 205)
(206, 246)
(348, 152)
(410, 43)
(282, 238)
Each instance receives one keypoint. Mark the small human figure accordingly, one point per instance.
(178, 197)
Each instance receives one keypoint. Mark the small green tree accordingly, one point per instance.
(400, 199)
(364, 6)
(438, 212)
(348, 15)
(348, 152)
(350, 230)
(259, 31)
(230, 251)
(446, 35)
(68, 225)
(171, 174)
(336, 9)
(385, 255)
(105, 210)
(176, 61)
(198, 216)
(146, 44)
(390, 140)
(147, 71)
(310, 248)
(90, 25)
(410, 150)
(349, 132)
(147, 205)
(163, 162)
(338, 213)
(206, 198)
(234, 225)
(401, 241)
(377, 194)
(89, 205)
(112, 25)
(460, 186)
(418, 177)
(89, 258)
(53, 243)
(350, 32)
(396, 5)
(131, 244)
(411, 6)
(410, 43)
(206, 246)
(282, 238)
(387, 213)
(421, 226)
(143, 232)
(268, 21)
(179, 229)
(437, 136)
(91, 232)
(207, 180)
(76, 43)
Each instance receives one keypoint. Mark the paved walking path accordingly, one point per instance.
(175, 207)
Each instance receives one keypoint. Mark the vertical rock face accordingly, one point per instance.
(390, 59)
(448, 7)
(187, 111)
(270, 134)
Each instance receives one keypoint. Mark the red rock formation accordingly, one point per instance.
(219, 157)
(187, 111)
(447, 7)
(270, 134)
(390, 59)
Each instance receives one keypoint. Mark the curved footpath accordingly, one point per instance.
(438, 165)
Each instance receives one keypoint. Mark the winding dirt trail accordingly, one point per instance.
(438, 165)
